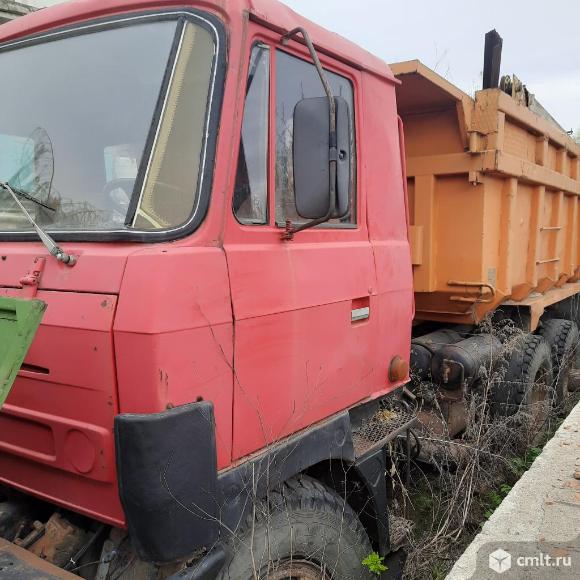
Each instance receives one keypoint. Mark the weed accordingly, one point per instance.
(495, 499)
(520, 465)
(438, 572)
(423, 501)
(374, 563)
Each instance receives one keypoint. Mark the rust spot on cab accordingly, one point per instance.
(163, 377)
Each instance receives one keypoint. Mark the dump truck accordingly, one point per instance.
(221, 253)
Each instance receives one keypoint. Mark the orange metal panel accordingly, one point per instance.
(424, 216)
(532, 258)
(508, 230)
(493, 199)
(416, 240)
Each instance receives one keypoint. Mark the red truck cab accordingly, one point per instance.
(192, 340)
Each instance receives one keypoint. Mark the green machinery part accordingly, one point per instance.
(19, 321)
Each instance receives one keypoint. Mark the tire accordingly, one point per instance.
(568, 309)
(528, 379)
(302, 529)
(562, 337)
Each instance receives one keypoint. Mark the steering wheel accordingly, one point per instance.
(126, 184)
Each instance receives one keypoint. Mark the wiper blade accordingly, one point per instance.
(31, 198)
(50, 244)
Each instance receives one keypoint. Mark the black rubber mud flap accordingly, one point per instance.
(395, 563)
(167, 474)
(251, 481)
(207, 568)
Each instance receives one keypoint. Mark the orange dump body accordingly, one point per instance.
(493, 198)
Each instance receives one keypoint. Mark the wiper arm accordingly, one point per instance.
(30, 198)
(50, 244)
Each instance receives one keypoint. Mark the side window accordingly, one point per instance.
(170, 192)
(251, 189)
(15, 151)
(297, 79)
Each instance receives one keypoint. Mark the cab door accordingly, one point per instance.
(306, 316)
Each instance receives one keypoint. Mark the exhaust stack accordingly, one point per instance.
(492, 59)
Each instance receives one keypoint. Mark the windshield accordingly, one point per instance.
(77, 130)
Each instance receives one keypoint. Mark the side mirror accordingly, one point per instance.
(312, 167)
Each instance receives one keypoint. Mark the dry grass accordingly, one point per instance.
(450, 499)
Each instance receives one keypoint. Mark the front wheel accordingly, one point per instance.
(303, 531)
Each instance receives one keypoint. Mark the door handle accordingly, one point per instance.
(360, 309)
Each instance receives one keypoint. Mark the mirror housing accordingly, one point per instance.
(313, 165)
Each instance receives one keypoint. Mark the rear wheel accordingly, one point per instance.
(528, 380)
(562, 337)
(568, 309)
(304, 531)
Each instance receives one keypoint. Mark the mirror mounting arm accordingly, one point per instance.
(292, 229)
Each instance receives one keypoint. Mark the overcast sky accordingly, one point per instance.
(541, 40)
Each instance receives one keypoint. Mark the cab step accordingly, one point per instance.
(391, 419)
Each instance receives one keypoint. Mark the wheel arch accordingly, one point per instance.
(360, 484)
(326, 453)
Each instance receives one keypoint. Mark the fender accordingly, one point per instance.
(174, 499)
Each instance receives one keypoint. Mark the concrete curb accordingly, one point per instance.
(537, 522)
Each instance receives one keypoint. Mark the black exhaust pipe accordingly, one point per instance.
(492, 60)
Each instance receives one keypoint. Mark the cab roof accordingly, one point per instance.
(271, 13)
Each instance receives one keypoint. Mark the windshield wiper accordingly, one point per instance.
(50, 244)
(29, 197)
